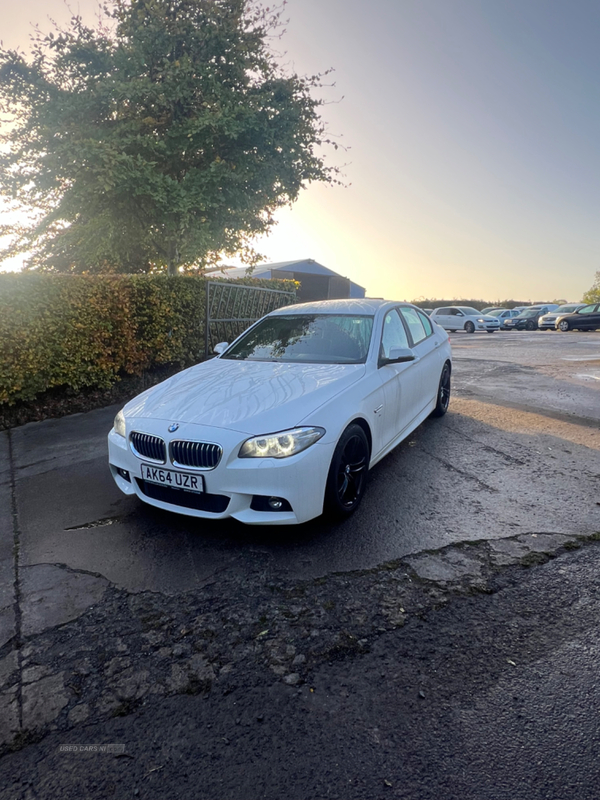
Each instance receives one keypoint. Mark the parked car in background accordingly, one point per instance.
(459, 318)
(287, 421)
(585, 319)
(504, 313)
(527, 320)
(490, 309)
(548, 321)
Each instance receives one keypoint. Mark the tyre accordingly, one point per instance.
(564, 325)
(491, 331)
(443, 395)
(347, 478)
(530, 325)
(469, 327)
(452, 330)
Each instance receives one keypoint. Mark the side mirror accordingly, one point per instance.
(459, 314)
(220, 348)
(398, 355)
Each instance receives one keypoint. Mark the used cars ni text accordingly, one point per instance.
(456, 318)
(286, 422)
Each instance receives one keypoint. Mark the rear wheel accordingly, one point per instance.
(469, 327)
(443, 395)
(348, 472)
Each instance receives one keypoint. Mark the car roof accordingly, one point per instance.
(364, 305)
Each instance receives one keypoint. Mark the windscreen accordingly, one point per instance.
(316, 338)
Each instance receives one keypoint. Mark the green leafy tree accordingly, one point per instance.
(159, 140)
(593, 294)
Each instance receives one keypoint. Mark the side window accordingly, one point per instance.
(426, 323)
(443, 311)
(394, 334)
(587, 310)
(415, 326)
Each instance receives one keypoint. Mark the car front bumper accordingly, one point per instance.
(233, 486)
(518, 326)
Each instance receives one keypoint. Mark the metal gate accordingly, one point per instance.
(231, 308)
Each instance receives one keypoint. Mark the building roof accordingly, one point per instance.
(308, 266)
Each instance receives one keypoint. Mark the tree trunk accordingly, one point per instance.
(173, 259)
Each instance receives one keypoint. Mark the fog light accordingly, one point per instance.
(266, 503)
(124, 474)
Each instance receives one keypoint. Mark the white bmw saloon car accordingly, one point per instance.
(285, 423)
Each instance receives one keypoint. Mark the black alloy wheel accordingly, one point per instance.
(469, 327)
(530, 325)
(348, 472)
(443, 395)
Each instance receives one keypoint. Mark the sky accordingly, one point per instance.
(471, 131)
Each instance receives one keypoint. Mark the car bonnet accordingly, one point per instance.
(248, 396)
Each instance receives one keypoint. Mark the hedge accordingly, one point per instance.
(82, 331)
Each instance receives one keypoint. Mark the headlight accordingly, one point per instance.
(280, 445)
(119, 424)
(480, 320)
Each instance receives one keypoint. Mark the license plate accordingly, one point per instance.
(176, 480)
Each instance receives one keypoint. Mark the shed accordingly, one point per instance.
(316, 281)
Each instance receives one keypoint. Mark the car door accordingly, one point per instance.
(589, 318)
(399, 390)
(457, 319)
(427, 368)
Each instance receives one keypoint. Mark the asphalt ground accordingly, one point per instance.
(516, 457)
(517, 452)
